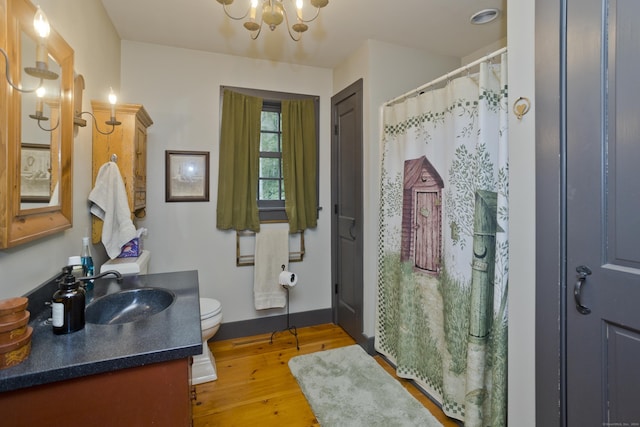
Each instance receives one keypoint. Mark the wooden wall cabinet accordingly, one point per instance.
(129, 143)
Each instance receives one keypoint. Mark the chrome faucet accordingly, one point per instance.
(104, 273)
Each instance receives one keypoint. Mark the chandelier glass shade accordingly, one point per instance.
(273, 13)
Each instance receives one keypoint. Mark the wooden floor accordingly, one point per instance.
(256, 388)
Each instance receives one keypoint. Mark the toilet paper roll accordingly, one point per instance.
(288, 278)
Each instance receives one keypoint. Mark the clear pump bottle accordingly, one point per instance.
(87, 260)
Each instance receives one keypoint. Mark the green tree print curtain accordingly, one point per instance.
(443, 249)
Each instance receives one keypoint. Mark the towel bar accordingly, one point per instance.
(244, 258)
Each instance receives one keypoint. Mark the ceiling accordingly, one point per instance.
(434, 26)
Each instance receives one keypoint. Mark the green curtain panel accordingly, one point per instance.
(299, 163)
(238, 168)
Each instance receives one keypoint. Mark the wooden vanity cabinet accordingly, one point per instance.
(157, 394)
(129, 143)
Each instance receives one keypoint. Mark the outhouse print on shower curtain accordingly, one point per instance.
(443, 248)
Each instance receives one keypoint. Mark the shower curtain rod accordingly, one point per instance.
(446, 76)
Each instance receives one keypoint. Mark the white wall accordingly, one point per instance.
(181, 91)
(85, 25)
(522, 275)
(486, 50)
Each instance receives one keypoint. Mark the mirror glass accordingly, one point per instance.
(37, 154)
(40, 138)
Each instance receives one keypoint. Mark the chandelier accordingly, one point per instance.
(272, 13)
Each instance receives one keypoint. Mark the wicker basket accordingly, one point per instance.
(15, 333)
(11, 306)
(13, 353)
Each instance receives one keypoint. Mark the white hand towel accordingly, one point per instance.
(110, 204)
(272, 252)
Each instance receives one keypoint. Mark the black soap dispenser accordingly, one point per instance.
(67, 305)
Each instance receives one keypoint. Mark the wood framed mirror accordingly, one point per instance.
(35, 155)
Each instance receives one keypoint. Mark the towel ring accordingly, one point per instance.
(521, 107)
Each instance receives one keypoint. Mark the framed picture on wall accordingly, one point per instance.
(35, 173)
(186, 176)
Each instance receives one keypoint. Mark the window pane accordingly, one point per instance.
(269, 189)
(270, 121)
(269, 168)
(270, 182)
(269, 142)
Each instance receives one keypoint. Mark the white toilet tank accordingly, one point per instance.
(128, 266)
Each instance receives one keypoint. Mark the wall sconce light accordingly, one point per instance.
(41, 70)
(39, 116)
(113, 99)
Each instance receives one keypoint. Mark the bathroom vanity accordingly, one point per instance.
(132, 373)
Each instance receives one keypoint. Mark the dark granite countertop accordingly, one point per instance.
(171, 334)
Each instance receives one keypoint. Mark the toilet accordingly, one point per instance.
(203, 368)
(128, 266)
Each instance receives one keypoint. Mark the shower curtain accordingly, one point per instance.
(443, 249)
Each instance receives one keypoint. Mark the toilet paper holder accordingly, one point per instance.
(287, 278)
(292, 329)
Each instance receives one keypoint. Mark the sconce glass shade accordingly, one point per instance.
(113, 99)
(43, 29)
(40, 92)
(39, 113)
(41, 24)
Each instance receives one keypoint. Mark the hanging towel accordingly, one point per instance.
(272, 252)
(109, 203)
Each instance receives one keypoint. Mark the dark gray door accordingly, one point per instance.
(346, 197)
(603, 213)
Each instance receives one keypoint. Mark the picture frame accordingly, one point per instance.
(186, 176)
(35, 173)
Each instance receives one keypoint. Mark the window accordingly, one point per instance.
(271, 193)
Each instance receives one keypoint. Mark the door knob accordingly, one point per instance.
(583, 271)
